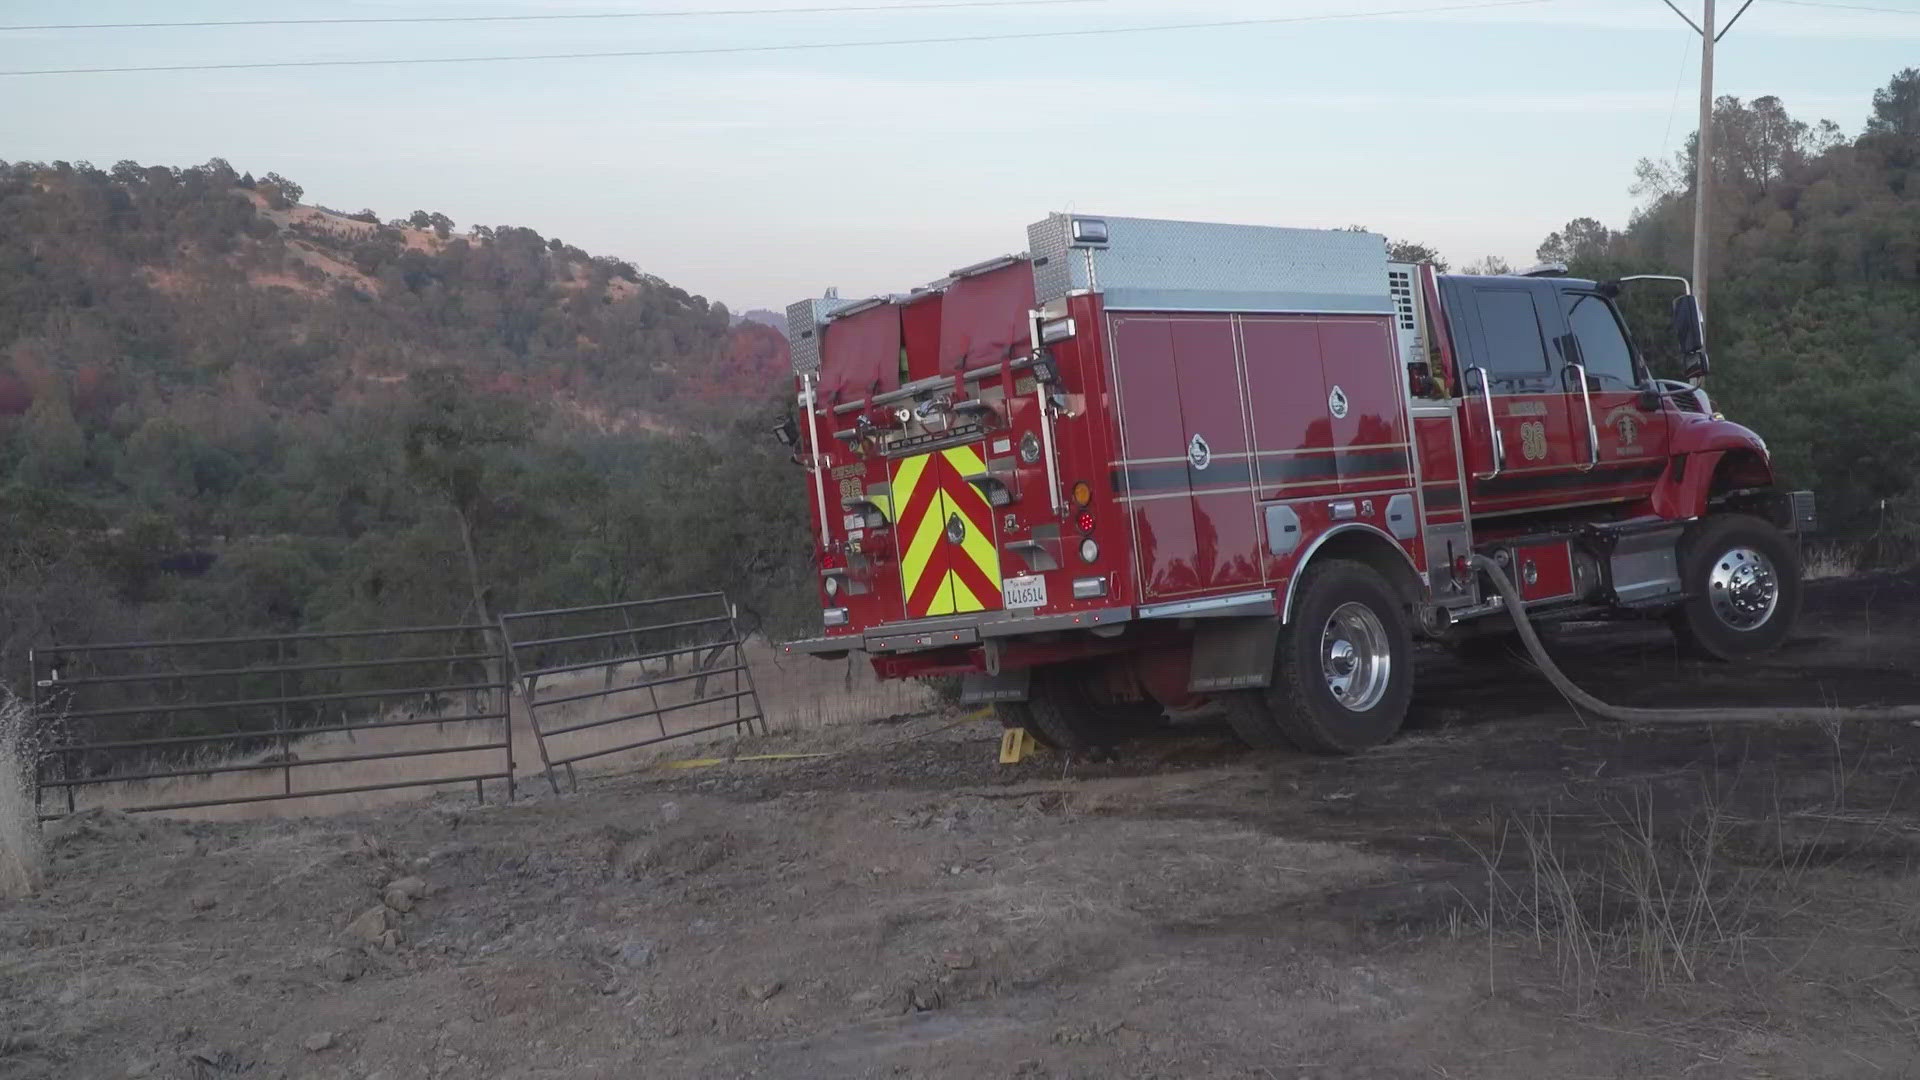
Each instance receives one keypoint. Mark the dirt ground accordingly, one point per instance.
(1505, 891)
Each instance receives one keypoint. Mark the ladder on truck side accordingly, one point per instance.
(1435, 430)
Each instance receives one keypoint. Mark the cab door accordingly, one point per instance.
(1528, 454)
(1629, 441)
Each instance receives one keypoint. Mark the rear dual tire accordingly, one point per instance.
(1062, 712)
(1343, 669)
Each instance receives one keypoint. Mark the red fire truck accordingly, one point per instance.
(1150, 465)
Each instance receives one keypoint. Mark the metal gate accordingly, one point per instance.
(178, 725)
(688, 665)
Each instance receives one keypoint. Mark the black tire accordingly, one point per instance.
(1251, 718)
(1302, 700)
(1727, 586)
(1060, 713)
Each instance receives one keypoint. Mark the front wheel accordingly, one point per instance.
(1742, 579)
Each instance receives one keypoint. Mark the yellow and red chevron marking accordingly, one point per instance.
(937, 575)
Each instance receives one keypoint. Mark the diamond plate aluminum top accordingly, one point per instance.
(1156, 265)
(805, 321)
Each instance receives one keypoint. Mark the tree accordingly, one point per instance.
(281, 192)
(55, 447)
(1488, 265)
(454, 442)
(1896, 107)
(1407, 251)
(1581, 240)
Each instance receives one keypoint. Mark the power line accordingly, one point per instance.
(788, 47)
(1673, 107)
(833, 10)
(1851, 7)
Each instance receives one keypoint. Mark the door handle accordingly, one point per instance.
(1493, 431)
(1593, 433)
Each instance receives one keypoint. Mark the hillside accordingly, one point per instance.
(224, 410)
(146, 279)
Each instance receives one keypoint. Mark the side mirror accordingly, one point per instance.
(1686, 325)
(1649, 399)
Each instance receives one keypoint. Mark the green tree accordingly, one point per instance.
(1582, 241)
(1896, 107)
(281, 192)
(455, 444)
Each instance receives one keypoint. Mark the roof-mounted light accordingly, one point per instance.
(1088, 232)
(1053, 330)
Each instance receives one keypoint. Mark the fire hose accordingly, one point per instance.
(1629, 714)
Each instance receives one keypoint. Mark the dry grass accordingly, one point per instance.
(1652, 900)
(1831, 559)
(796, 694)
(19, 832)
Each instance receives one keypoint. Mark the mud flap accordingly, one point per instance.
(986, 689)
(1231, 654)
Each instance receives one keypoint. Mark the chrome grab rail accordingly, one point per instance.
(1054, 500)
(1493, 431)
(1593, 433)
(816, 461)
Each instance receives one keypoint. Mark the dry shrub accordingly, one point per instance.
(1655, 900)
(1831, 559)
(19, 826)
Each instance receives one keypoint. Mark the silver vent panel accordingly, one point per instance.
(806, 322)
(1047, 241)
(1155, 265)
(1401, 278)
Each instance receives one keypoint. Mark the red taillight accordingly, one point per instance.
(1085, 521)
(832, 560)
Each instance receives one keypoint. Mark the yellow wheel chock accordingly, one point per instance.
(1016, 744)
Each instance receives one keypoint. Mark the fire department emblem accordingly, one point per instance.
(1627, 424)
(1199, 454)
(1337, 403)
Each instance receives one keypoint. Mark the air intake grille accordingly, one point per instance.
(1400, 284)
(1406, 321)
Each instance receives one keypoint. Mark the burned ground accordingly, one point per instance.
(1505, 891)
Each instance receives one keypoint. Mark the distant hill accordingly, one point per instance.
(225, 410)
(772, 319)
(137, 280)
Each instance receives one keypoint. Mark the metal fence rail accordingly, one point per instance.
(140, 714)
(652, 638)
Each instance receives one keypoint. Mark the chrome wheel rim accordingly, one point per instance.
(1743, 589)
(1355, 657)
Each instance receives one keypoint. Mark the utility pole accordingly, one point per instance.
(1703, 166)
(1703, 155)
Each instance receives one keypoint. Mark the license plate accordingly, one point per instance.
(1016, 592)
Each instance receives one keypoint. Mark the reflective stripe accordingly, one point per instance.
(938, 576)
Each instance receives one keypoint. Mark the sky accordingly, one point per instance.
(760, 177)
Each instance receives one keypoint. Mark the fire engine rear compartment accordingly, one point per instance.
(1202, 425)
(1223, 417)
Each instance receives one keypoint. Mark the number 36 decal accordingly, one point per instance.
(1533, 440)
